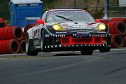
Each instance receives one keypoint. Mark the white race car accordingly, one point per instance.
(67, 30)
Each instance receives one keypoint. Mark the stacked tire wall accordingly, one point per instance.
(118, 32)
(11, 40)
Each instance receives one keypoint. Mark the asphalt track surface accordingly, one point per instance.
(65, 68)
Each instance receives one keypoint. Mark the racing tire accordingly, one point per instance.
(42, 40)
(28, 51)
(102, 50)
(87, 52)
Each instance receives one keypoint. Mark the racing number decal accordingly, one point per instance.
(36, 42)
(36, 37)
(37, 34)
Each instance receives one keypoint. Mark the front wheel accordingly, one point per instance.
(87, 52)
(42, 40)
(28, 49)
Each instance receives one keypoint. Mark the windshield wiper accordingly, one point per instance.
(64, 18)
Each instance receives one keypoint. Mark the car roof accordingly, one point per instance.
(66, 10)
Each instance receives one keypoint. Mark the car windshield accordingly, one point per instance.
(74, 16)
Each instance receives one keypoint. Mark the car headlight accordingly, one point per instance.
(101, 27)
(57, 27)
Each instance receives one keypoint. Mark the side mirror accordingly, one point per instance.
(40, 21)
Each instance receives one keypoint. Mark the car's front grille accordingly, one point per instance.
(82, 30)
(97, 39)
(65, 40)
(72, 41)
(79, 41)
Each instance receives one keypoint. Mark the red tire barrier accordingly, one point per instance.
(117, 41)
(22, 46)
(115, 19)
(28, 26)
(119, 25)
(120, 28)
(123, 20)
(124, 41)
(9, 46)
(111, 26)
(8, 33)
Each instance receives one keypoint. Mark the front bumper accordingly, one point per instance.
(58, 46)
(76, 47)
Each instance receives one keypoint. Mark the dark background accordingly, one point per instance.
(5, 10)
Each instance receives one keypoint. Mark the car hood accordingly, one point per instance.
(75, 25)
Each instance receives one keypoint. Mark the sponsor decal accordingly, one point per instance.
(65, 25)
(37, 34)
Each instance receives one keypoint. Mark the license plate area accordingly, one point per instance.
(86, 35)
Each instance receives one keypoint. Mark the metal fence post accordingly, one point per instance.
(74, 3)
(106, 9)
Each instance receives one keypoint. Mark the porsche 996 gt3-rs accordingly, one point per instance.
(67, 30)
